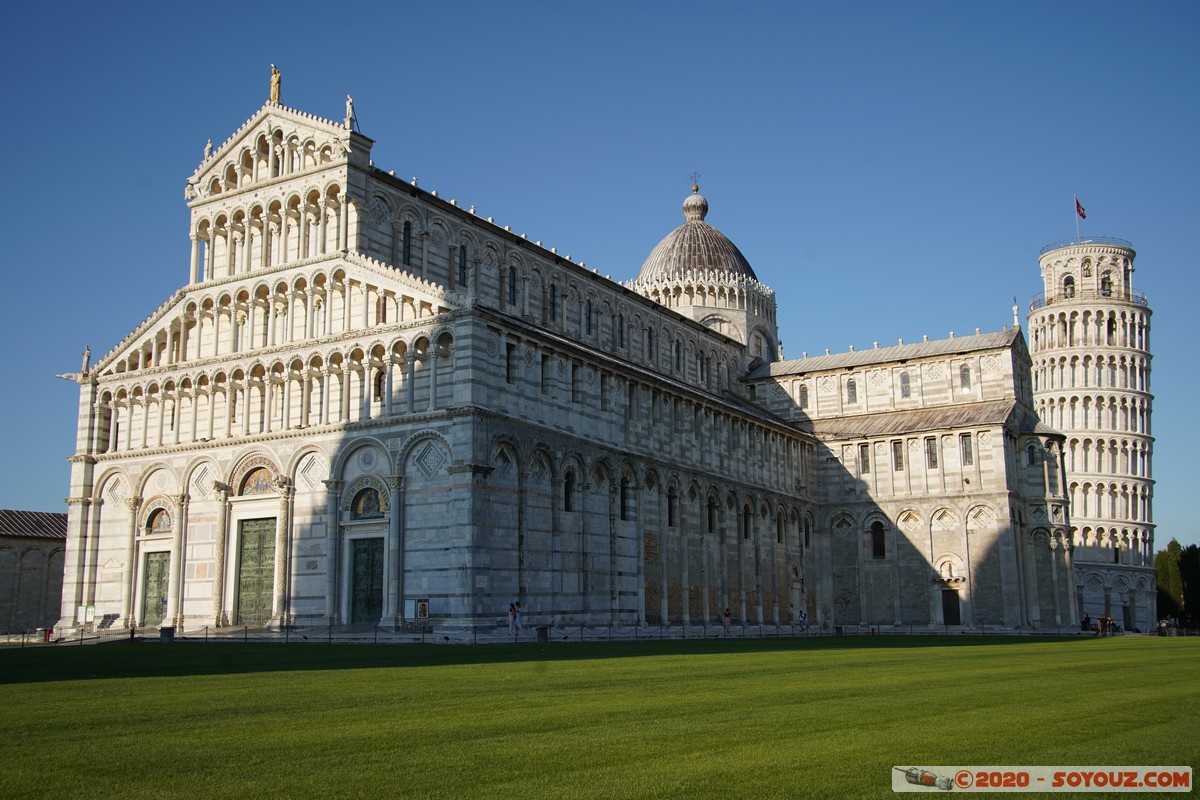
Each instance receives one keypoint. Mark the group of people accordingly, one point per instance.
(1105, 626)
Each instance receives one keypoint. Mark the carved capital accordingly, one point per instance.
(395, 483)
(133, 503)
(182, 500)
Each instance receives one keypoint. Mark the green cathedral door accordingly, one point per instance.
(256, 572)
(154, 588)
(951, 610)
(366, 580)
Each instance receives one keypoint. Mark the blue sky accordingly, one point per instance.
(890, 169)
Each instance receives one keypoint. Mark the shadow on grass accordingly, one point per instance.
(153, 660)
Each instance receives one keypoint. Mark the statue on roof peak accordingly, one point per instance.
(276, 80)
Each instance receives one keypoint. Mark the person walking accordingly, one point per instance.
(512, 619)
(728, 620)
(517, 621)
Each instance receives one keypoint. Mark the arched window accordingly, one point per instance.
(803, 396)
(905, 385)
(878, 541)
(1031, 455)
(380, 382)
(619, 331)
(624, 499)
(406, 250)
(712, 515)
(747, 521)
(678, 356)
(851, 391)
(587, 317)
(779, 529)
(569, 491)
(964, 376)
(1068, 287)
(257, 482)
(159, 522)
(552, 303)
(672, 507)
(366, 504)
(512, 286)
(462, 266)
(1106, 284)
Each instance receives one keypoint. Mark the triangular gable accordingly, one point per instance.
(294, 124)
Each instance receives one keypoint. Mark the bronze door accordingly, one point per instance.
(154, 588)
(256, 572)
(366, 580)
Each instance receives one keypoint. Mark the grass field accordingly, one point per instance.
(711, 719)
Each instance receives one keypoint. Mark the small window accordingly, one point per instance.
(1031, 455)
(650, 342)
(552, 303)
(545, 374)
(672, 507)
(1068, 287)
(406, 256)
(380, 383)
(898, 456)
(966, 447)
(878, 541)
(587, 317)
(803, 396)
(851, 391)
(462, 266)
(864, 459)
(512, 286)
(1106, 284)
(964, 376)
(619, 332)
(931, 456)
(905, 386)
(624, 499)
(712, 515)
(678, 356)
(569, 491)
(366, 505)
(576, 388)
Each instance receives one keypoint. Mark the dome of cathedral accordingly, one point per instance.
(695, 246)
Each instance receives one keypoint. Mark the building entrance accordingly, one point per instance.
(256, 571)
(366, 580)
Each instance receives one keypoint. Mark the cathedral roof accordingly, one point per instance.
(34, 524)
(880, 355)
(922, 420)
(693, 247)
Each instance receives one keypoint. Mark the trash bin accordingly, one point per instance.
(837, 630)
(166, 635)
(42, 635)
(543, 633)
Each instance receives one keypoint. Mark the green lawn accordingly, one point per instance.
(720, 719)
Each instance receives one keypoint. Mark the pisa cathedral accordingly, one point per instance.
(370, 406)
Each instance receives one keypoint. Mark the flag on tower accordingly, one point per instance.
(1079, 209)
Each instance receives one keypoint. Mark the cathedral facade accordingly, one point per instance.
(368, 405)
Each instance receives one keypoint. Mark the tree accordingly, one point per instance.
(1170, 586)
(1189, 580)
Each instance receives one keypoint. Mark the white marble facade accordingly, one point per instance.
(370, 406)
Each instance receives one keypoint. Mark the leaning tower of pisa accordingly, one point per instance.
(1090, 342)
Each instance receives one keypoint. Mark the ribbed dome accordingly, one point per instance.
(695, 246)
